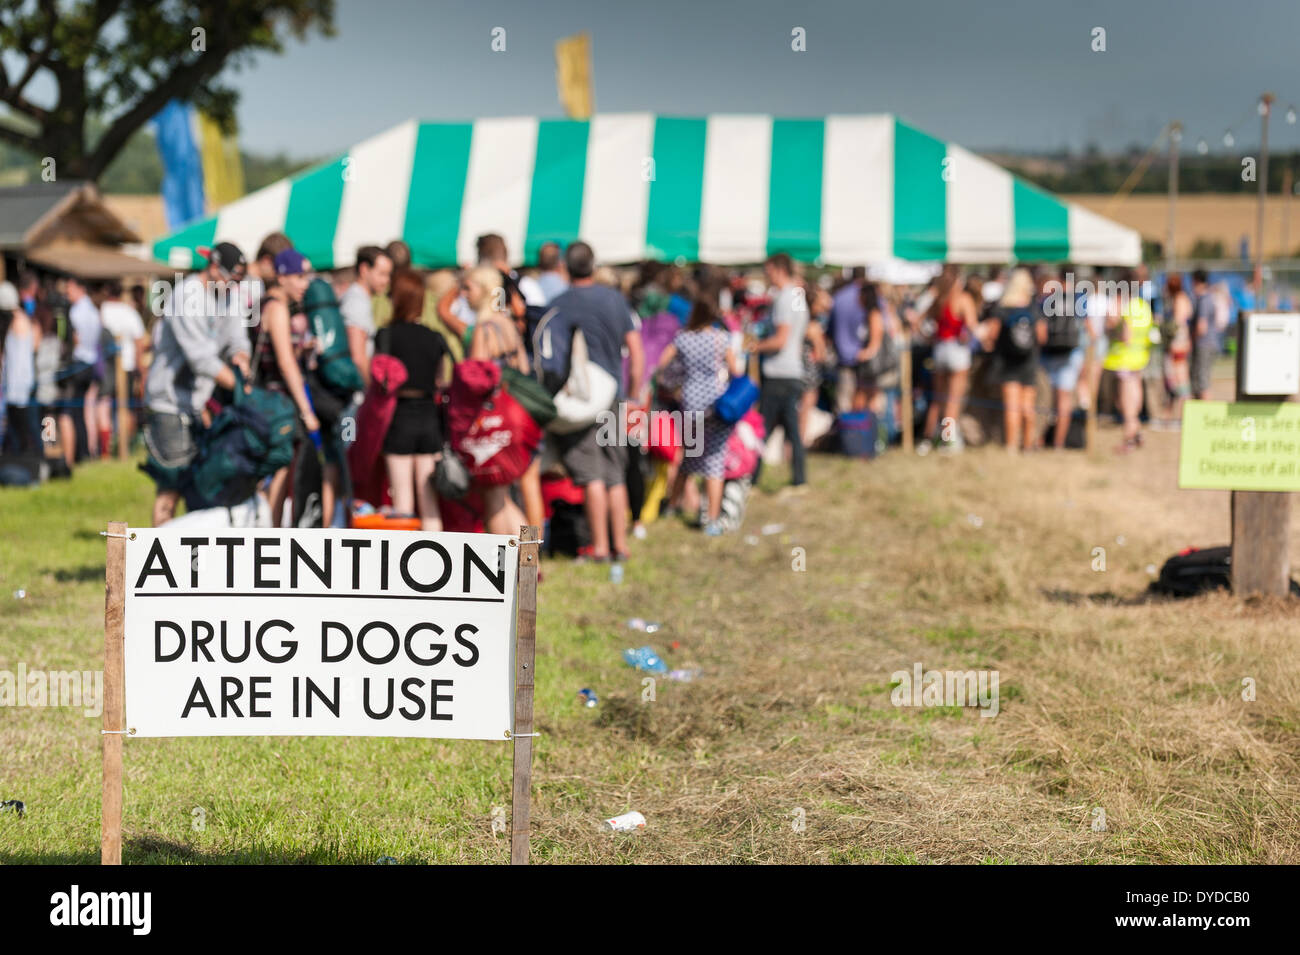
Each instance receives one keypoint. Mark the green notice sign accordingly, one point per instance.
(1242, 446)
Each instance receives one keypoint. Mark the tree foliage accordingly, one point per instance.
(125, 59)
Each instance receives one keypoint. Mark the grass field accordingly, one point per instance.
(1107, 701)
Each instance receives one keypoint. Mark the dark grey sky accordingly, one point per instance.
(1005, 73)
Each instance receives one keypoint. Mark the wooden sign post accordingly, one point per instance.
(1261, 520)
(123, 410)
(525, 642)
(487, 702)
(110, 843)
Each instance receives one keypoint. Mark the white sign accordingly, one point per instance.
(1271, 354)
(246, 632)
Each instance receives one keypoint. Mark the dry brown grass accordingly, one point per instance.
(1108, 699)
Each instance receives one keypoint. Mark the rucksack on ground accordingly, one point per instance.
(249, 440)
(860, 434)
(1076, 435)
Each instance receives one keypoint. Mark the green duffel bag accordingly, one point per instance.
(530, 394)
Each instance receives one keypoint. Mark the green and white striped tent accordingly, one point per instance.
(727, 189)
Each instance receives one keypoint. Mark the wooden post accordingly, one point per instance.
(525, 642)
(1261, 522)
(1090, 421)
(110, 841)
(123, 408)
(905, 393)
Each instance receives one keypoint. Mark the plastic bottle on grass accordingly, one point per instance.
(645, 658)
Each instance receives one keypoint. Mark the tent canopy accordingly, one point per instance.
(726, 189)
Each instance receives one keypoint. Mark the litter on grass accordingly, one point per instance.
(645, 658)
(627, 822)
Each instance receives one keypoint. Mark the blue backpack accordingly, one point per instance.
(249, 440)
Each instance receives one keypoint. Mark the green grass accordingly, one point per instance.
(1134, 707)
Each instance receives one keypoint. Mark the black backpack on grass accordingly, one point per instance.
(1194, 571)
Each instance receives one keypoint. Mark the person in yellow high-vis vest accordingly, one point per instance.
(1129, 326)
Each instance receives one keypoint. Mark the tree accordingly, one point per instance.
(125, 59)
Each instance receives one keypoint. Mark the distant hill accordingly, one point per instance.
(137, 170)
(1093, 172)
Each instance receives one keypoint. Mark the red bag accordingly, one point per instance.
(365, 457)
(664, 439)
(489, 429)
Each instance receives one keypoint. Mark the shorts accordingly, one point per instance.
(108, 385)
(172, 447)
(415, 428)
(1063, 369)
(889, 378)
(846, 385)
(1021, 372)
(951, 355)
(587, 460)
(1177, 381)
(75, 381)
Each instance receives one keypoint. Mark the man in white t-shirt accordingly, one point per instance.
(374, 272)
(782, 363)
(123, 322)
(78, 380)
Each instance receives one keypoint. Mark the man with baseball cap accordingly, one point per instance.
(226, 259)
(200, 340)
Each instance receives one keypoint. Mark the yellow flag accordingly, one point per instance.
(573, 75)
(223, 171)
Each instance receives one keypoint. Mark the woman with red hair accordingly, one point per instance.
(414, 439)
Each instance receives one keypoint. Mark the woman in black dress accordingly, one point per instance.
(414, 439)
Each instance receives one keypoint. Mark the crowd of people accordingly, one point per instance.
(62, 343)
(516, 374)
(1008, 334)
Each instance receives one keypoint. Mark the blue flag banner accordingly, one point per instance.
(182, 185)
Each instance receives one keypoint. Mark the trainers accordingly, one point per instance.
(924, 447)
(713, 529)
